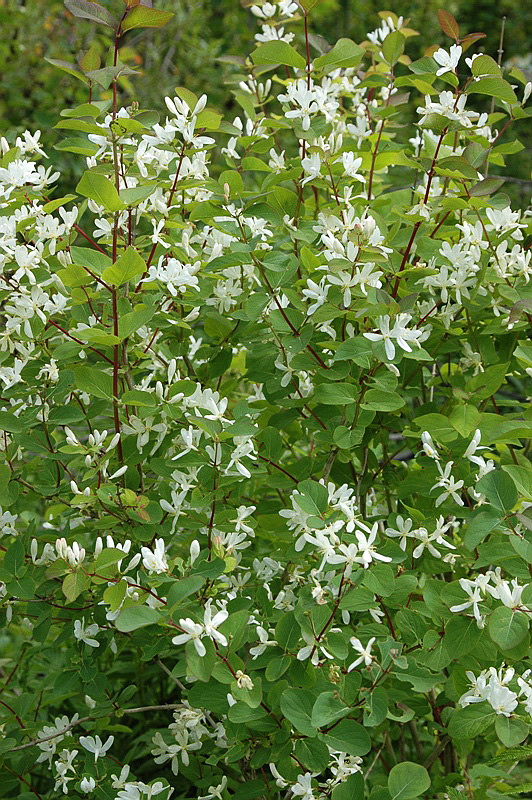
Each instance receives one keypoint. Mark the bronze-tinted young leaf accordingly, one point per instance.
(86, 9)
(448, 24)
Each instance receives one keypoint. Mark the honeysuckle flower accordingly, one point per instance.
(366, 544)
(365, 652)
(154, 561)
(399, 332)
(192, 631)
(474, 593)
(215, 792)
(87, 785)
(211, 623)
(449, 484)
(316, 292)
(303, 787)
(448, 60)
(93, 744)
(313, 649)
(403, 530)
(87, 633)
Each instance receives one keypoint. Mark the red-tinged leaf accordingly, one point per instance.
(470, 39)
(486, 187)
(93, 11)
(448, 24)
(521, 307)
(144, 17)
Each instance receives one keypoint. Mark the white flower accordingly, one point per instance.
(447, 60)
(351, 165)
(365, 652)
(192, 631)
(449, 484)
(404, 531)
(211, 623)
(475, 597)
(87, 785)
(95, 745)
(366, 546)
(316, 292)
(303, 787)
(215, 792)
(304, 98)
(155, 561)
(86, 634)
(312, 167)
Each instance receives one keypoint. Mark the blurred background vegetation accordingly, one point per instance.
(185, 52)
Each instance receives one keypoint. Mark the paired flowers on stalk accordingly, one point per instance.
(195, 631)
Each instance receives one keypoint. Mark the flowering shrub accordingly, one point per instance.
(265, 485)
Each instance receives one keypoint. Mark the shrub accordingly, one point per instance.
(265, 484)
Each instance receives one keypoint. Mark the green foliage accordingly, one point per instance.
(265, 413)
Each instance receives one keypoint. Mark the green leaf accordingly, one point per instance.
(351, 789)
(201, 667)
(499, 489)
(379, 400)
(307, 5)
(114, 595)
(358, 349)
(468, 722)
(135, 397)
(462, 635)
(70, 69)
(523, 788)
(511, 731)
(522, 544)
(507, 628)
(136, 617)
(10, 423)
(135, 195)
(98, 336)
(313, 497)
(133, 320)
(313, 754)
(485, 65)
(15, 557)
(345, 53)
(513, 754)
(486, 187)
(287, 631)
(393, 47)
(107, 558)
(336, 394)
(88, 257)
(144, 17)
(522, 477)
(328, 708)
(100, 189)
(277, 52)
(296, 705)
(91, 10)
(74, 584)
(126, 267)
(349, 737)
(407, 780)
(464, 419)
(478, 528)
(92, 381)
(494, 87)
(183, 588)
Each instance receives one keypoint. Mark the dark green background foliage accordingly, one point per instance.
(185, 52)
